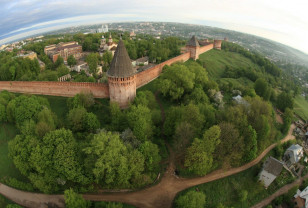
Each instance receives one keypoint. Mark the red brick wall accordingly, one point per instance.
(205, 48)
(66, 89)
(154, 72)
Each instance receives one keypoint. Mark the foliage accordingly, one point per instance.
(176, 81)
(262, 89)
(71, 61)
(199, 156)
(107, 58)
(287, 120)
(74, 200)
(285, 101)
(191, 199)
(107, 169)
(62, 70)
(140, 121)
(80, 120)
(25, 107)
(92, 60)
(151, 155)
(34, 158)
(83, 99)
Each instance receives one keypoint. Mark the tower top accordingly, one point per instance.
(193, 42)
(121, 65)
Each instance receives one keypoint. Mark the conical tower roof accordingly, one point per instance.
(121, 65)
(193, 42)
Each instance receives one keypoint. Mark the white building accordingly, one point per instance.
(271, 169)
(293, 154)
(301, 198)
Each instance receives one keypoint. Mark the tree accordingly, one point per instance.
(107, 58)
(230, 150)
(191, 199)
(92, 60)
(74, 200)
(76, 119)
(199, 156)
(2, 113)
(151, 155)
(262, 89)
(176, 81)
(62, 70)
(58, 62)
(71, 61)
(140, 121)
(118, 118)
(35, 158)
(287, 120)
(83, 99)
(107, 169)
(285, 100)
(46, 122)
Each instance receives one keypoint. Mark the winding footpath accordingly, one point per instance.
(160, 195)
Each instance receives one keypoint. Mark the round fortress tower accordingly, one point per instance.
(121, 78)
(217, 44)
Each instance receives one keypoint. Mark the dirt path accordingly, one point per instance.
(160, 195)
(280, 192)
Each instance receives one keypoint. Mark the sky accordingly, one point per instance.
(283, 21)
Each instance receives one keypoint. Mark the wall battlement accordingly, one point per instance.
(100, 90)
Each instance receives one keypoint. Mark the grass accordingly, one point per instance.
(226, 190)
(57, 104)
(301, 107)
(7, 133)
(216, 62)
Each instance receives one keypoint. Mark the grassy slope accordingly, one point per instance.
(216, 62)
(301, 107)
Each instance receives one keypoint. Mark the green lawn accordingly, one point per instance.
(7, 133)
(301, 107)
(216, 62)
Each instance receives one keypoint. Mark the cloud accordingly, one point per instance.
(283, 21)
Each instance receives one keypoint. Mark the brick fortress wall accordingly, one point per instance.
(65, 89)
(99, 90)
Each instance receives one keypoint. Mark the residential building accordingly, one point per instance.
(64, 50)
(271, 169)
(301, 197)
(293, 154)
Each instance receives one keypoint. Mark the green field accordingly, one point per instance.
(301, 107)
(7, 132)
(216, 62)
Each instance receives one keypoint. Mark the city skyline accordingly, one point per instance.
(275, 20)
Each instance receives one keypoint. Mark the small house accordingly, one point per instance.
(271, 169)
(142, 61)
(300, 198)
(293, 154)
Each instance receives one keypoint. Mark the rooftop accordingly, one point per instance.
(273, 166)
(193, 42)
(121, 65)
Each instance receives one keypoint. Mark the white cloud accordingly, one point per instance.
(283, 21)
